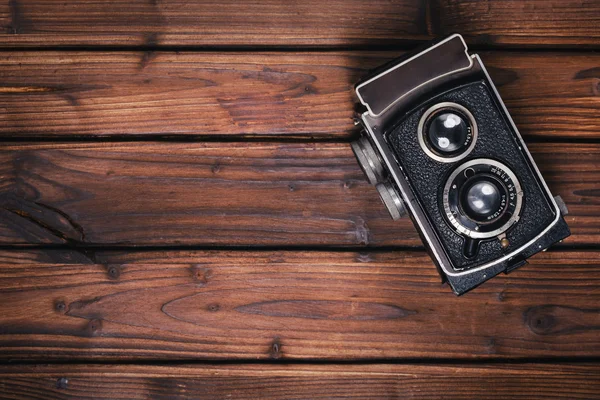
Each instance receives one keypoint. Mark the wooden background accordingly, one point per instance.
(181, 214)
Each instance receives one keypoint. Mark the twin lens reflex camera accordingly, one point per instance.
(439, 145)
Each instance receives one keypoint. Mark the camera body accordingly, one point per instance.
(439, 144)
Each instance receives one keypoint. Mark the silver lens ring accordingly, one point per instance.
(368, 160)
(514, 198)
(449, 106)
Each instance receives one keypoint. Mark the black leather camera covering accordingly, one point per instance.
(496, 140)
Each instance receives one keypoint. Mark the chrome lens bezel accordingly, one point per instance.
(463, 230)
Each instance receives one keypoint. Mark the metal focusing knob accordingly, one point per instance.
(368, 159)
(392, 200)
(370, 163)
(561, 205)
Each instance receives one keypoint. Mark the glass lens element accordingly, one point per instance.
(448, 133)
(483, 199)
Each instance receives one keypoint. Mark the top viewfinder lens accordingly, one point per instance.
(448, 133)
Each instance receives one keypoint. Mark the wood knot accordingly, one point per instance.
(554, 319)
(60, 306)
(94, 326)
(275, 352)
(62, 383)
(501, 296)
(308, 89)
(214, 307)
(201, 274)
(540, 320)
(215, 168)
(113, 271)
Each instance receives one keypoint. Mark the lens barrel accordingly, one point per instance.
(482, 198)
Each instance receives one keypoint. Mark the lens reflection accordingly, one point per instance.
(448, 133)
(483, 199)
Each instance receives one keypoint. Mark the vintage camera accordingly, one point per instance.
(438, 143)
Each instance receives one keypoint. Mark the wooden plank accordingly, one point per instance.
(290, 305)
(309, 95)
(530, 23)
(307, 23)
(383, 381)
(244, 194)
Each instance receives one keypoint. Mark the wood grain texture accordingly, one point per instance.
(308, 95)
(306, 23)
(289, 305)
(81, 302)
(244, 194)
(384, 381)
(529, 23)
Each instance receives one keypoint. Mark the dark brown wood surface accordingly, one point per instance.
(38, 23)
(177, 188)
(309, 95)
(243, 194)
(415, 381)
(284, 305)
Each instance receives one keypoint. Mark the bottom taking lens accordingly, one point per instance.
(483, 199)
